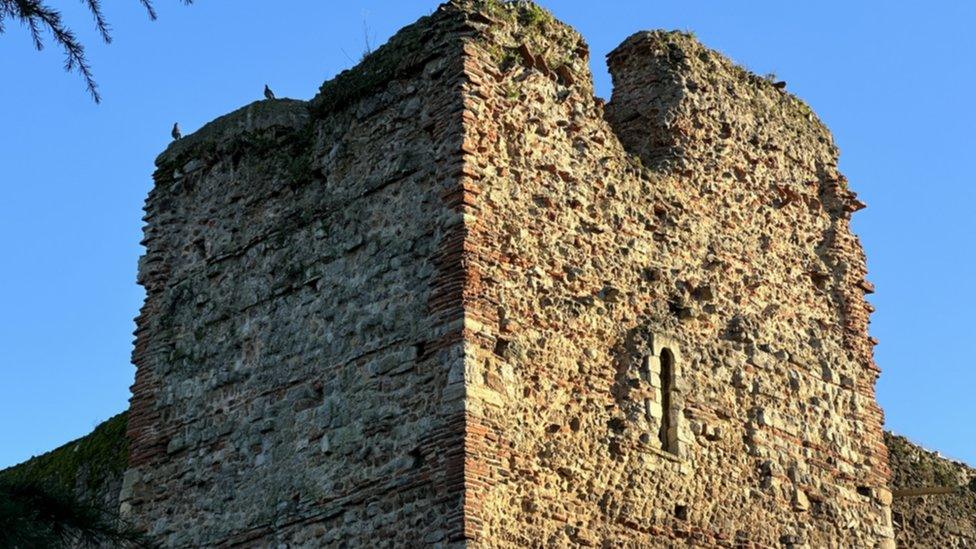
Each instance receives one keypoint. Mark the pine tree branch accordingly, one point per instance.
(149, 9)
(95, 7)
(39, 17)
(35, 14)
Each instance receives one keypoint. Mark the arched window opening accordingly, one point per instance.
(667, 387)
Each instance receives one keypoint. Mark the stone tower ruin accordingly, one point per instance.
(455, 299)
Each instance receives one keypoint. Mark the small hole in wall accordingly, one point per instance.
(617, 425)
(681, 512)
(864, 491)
(501, 347)
(652, 274)
(816, 506)
(675, 307)
(726, 131)
(421, 348)
(418, 458)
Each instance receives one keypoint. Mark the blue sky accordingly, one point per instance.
(892, 79)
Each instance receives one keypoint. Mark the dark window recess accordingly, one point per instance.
(667, 380)
(681, 512)
(864, 491)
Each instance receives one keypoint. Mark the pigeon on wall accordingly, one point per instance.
(176, 131)
(268, 94)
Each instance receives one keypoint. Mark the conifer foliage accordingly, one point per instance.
(36, 514)
(40, 17)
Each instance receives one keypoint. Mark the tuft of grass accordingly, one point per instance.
(400, 57)
(533, 15)
(511, 91)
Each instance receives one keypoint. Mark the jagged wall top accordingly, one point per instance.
(406, 52)
(667, 84)
(515, 31)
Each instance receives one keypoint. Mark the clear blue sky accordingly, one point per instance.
(892, 79)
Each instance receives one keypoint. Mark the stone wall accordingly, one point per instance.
(299, 353)
(702, 217)
(455, 299)
(939, 520)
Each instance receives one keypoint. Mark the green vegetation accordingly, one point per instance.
(532, 14)
(57, 499)
(511, 91)
(291, 150)
(92, 459)
(928, 471)
(37, 514)
(524, 23)
(278, 148)
(526, 12)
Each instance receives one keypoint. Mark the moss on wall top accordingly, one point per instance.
(913, 466)
(934, 520)
(404, 54)
(83, 465)
(255, 118)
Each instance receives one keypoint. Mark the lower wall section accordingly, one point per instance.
(92, 467)
(936, 519)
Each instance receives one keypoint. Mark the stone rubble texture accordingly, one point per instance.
(938, 520)
(431, 307)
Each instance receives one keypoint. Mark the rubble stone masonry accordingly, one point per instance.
(457, 300)
(701, 213)
(936, 497)
(300, 355)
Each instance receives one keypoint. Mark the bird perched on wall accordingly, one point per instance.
(268, 94)
(176, 131)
